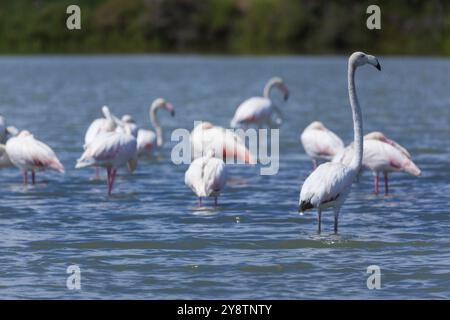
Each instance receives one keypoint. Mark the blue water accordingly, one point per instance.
(148, 241)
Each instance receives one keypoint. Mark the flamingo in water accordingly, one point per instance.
(110, 150)
(206, 176)
(381, 154)
(147, 140)
(6, 132)
(329, 185)
(320, 143)
(259, 110)
(226, 144)
(29, 154)
(106, 124)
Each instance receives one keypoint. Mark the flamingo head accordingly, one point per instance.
(360, 58)
(126, 118)
(24, 133)
(162, 103)
(279, 83)
(317, 125)
(377, 135)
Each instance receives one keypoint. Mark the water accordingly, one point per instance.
(148, 241)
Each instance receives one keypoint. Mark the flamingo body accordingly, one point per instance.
(206, 176)
(320, 143)
(225, 143)
(146, 142)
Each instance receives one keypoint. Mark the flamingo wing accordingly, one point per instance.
(330, 182)
(214, 176)
(146, 141)
(323, 144)
(256, 109)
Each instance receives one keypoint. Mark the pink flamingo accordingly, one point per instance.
(29, 154)
(110, 150)
(329, 185)
(206, 176)
(320, 143)
(381, 154)
(225, 143)
(259, 110)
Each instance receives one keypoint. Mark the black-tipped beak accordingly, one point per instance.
(172, 113)
(378, 66)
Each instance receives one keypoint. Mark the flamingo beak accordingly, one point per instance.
(285, 91)
(169, 107)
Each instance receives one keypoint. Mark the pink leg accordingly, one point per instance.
(199, 202)
(111, 182)
(386, 187)
(97, 172)
(33, 177)
(375, 184)
(108, 171)
(25, 178)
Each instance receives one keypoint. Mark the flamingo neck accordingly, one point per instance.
(156, 125)
(267, 88)
(357, 120)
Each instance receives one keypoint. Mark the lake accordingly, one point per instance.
(149, 241)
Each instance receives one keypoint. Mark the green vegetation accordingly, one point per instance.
(224, 26)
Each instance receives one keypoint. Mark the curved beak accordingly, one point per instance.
(374, 61)
(169, 107)
(284, 89)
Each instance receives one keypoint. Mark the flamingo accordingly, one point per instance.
(259, 110)
(110, 150)
(320, 143)
(147, 140)
(329, 184)
(29, 154)
(6, 132)
(381, 154)
(206, 176)
(225, 143)
(106, 124)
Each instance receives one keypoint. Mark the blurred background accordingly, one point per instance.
(225, 26)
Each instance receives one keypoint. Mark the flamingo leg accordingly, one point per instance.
(199, 202)
(375, 183)
(25, 178)
(111, 182)
(319, 220)
(336, 220)
(314, 164)
(33, 177)
(97, 172)
(386, 182)
(108, 171)
(215, 201)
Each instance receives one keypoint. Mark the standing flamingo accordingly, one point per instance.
(259, 110)
(147, 140)
(225, 143)
(106, 124)
(206, 176)
(320, 143)
(381, 154)
(8, 132)
(110, 150)
(29, 154)
(329, 184)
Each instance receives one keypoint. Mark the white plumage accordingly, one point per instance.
(320, 143)
(206, 176)
(111, 150)
(226, 144)
(259, 110)
(381, 155)
(29, 154)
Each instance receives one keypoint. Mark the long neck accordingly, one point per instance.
(155, 124)
(357, 120)
(267, 88)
